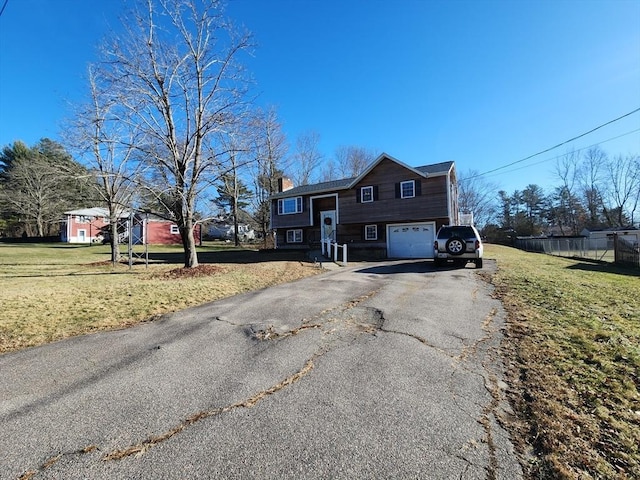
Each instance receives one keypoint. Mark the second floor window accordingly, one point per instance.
(366, 194)
(175, 230)
(287, 206)
(408, 189)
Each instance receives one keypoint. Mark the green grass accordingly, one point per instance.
(573, 351)
(49, 292)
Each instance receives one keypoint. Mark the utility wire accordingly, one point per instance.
(559, 156)
(4, 5)
(555, 146)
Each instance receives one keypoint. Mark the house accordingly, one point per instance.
(85, 225)
(91, 225)
(225, 231)
(160, 231)
(391, 210)
(602, 239)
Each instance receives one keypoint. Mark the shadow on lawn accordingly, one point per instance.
(232, 256)
(604, 267)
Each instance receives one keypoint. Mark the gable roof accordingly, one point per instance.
(378, 160)
(435, 169)
(90, 212)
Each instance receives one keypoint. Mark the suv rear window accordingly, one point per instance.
(457, 231)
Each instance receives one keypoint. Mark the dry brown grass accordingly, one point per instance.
(49, 292)
(573, 353)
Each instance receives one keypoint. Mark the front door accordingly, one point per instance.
(328, 225)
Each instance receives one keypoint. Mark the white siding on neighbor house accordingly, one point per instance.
(411, 240)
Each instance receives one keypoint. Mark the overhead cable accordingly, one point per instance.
(555, 146)
(559, 156)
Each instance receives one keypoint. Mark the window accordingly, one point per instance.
(175, 230)
(407, 189)
(287, 206)
(294, 236)
(83, 219)
(366, 194)
(370, 232)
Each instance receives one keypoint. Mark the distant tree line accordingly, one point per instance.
(37, 184)
(594, 191)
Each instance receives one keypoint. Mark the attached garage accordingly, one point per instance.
(411, 240)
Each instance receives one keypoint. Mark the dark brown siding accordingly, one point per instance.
(320, 205)
(353, 234)
(291, 220)
(430, 204)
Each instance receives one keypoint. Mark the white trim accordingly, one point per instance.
(412, 182)
(294, 231)
(312, 198)
(376, 232)
(298, 199)
(449, 198)
(370, 188)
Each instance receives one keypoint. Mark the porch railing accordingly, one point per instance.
(330, 250)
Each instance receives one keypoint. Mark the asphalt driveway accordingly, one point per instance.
(386, 370)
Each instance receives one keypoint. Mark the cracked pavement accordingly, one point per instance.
(385, 370)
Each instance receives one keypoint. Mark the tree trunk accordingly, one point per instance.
(235, 220)
(189, 244)
(115, 244)
(40, 225)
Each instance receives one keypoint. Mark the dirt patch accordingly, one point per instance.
(195, 272)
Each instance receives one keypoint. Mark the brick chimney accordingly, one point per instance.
(284, 184)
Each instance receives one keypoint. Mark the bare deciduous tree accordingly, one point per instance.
(353, 160)
(39, 184)
(307, 157)
(623, 192)
(590, 176)
(478, 196)
(567, 209)
(107, 145)
(175, 73)
(270, 150)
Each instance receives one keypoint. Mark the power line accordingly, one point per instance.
(559, 156)
(556, 146)
(3, 7)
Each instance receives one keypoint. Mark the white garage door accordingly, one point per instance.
(411, 240)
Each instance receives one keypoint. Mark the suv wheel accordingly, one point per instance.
(455, 246)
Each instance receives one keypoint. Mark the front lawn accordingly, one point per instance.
(53, 291)
(573, 353)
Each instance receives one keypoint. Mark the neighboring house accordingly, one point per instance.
(160, 231)
(90, 225)
(85, 225)
(603, 238)
(225, 231)
(391, 209)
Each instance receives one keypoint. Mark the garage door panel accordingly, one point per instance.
(411, 240)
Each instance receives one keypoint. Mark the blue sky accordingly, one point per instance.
(483, 83)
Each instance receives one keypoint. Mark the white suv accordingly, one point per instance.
(459, 243)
